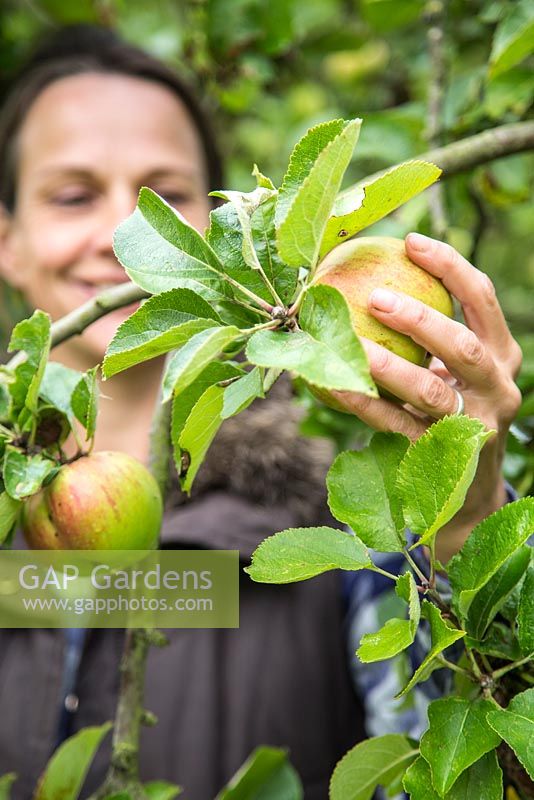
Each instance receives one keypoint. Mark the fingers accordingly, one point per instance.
(482, 355)
(465, 355)
(381, 414)
(472, 288)
(424, 390)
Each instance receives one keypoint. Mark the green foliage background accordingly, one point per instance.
(269, 69)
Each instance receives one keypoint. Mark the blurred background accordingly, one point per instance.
(269, 69)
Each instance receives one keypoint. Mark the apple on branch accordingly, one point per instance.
(358, 266)
(103, 501)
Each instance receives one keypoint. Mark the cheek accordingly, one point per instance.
(51, 251)
(43, 261)
(44, 253)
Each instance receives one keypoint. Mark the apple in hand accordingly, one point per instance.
(103, 501)
(357, 267)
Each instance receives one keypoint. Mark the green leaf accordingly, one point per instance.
(514, 38)
(442, 635)
(391, 639)
(162, 323)
(199, 431)
(482, 780)
(437, 471)
(302, 161)
(9, 510)
(66, 770)
(369, 201)
(309, 189)
(225, 236)
(58, 385)
(525, 618)
(183, 403)
(493, 595)
(22, 474)
(6, 781)
(84, 401)
(161, 790)
(119, 796)
(161, 251)
(508, 91)
(33, 337)
(73, 393)
(326, 352)
(266, 775)
(261, 179)
(510, 608)
(189, 361)
(394, 789)
(245, 204)
(241, 393)
(283, 279)
(303, 355)
(499, 642)
(515, 725)
(271, 376)
(239, 315)
(362, 491)
(458, 736)
(372, 763)
(297, 554)
(325, 315)
(397, 634)
(5, 401)
(488, 547)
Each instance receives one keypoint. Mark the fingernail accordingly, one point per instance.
(418, 242)
(384, 300)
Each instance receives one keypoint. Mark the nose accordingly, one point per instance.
(118, 204)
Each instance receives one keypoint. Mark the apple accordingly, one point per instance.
(103, 501)
(358, 266)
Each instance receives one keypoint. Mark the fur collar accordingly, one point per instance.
(261, 456)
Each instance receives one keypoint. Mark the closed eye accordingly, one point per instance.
(72, 200)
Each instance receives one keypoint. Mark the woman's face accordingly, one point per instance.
(87, 144)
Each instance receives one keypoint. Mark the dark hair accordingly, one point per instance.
(76, 49)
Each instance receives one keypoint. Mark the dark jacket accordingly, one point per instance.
(280, 679)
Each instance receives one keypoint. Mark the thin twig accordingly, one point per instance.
(470, 152)
(505, 140)
(251, 295)
(296, 303)
(472, 659)
(435, 16)
(456, 667)
(270, 286)
(486, 663)
(432, 577)
(420, 574)
(159, 460)
(482, 222)
(509, 667)
(78, 320)
(384, 572)
(271, 325)
(123, 773)
(255, 310)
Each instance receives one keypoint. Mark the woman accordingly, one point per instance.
(88, 123)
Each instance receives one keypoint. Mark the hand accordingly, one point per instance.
(480, 359)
